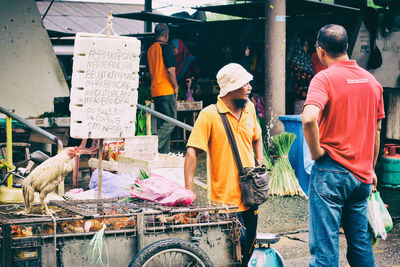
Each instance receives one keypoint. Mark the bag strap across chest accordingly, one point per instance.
(232, 141)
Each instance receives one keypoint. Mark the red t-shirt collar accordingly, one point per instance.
(349, 62)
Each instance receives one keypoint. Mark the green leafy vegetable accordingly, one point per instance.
(267, 156)
(283, 181)
(97, 242)
(143, 175)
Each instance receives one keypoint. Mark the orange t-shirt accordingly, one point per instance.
(209, 135)
(351, 102)
(160, 57)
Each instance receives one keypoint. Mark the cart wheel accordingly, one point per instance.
(172, 252)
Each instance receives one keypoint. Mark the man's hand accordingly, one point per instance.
(176, 93)
(321, 152)
(172, 79)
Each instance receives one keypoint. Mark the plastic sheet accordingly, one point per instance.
(162, 190)
(113, 185)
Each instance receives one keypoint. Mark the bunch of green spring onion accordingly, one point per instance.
(283, 181)
(267, 156)
(142, 176)
(97, 242)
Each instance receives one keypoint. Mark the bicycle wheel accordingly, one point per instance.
(172, 252)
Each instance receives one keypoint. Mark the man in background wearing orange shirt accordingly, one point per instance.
(164, 88)
(209, 135)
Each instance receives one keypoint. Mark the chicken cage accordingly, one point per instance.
(136, 233)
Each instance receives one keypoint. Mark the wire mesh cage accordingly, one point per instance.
(80, 216)
(37, 236)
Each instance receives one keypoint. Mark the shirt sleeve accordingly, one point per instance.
(201, 132)
(381, 109)
(168, 56)
(318, 91)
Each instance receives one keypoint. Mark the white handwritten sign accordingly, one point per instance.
(104, 86)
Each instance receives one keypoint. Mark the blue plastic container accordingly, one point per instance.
(299, 154)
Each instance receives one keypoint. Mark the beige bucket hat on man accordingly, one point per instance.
(232, 77)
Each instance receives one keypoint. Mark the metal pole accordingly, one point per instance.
(165, 117)
(100, 170)
(100, 177)
(9, 148)
(39, 130)
(148, 8)
(33, 127)
(275, 65)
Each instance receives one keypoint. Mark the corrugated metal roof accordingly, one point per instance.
(256, 9)
(150, 16)
(73, 17)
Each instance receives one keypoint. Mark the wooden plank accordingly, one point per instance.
(393, 115)
(61, 132)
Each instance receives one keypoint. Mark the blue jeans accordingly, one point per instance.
(336, 196)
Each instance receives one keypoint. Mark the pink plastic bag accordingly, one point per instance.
(162, 190)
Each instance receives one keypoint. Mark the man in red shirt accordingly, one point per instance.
(341, 119)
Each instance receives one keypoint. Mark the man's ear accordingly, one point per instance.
(323, 52)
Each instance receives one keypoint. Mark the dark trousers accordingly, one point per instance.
(248, 219)
(165, 104)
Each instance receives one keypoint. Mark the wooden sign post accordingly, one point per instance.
(104, 88)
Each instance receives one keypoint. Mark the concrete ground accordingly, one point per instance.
(294, 249)
(289, 216)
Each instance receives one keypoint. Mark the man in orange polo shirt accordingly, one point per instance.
(209, 135)
(164, 88)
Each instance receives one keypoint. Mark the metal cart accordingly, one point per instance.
(137, 233)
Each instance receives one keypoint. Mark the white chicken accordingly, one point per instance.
(47, 176)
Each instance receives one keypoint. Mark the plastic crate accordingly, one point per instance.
(169, 166)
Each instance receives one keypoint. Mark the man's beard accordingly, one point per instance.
(240, 103)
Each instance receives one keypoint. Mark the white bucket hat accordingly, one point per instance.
(232, 77)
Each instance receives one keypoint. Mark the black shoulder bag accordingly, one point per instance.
(254, 181)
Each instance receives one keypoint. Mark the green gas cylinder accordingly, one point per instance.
(391, 166)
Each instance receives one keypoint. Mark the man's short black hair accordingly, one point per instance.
(333, 39)
(160, 30)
